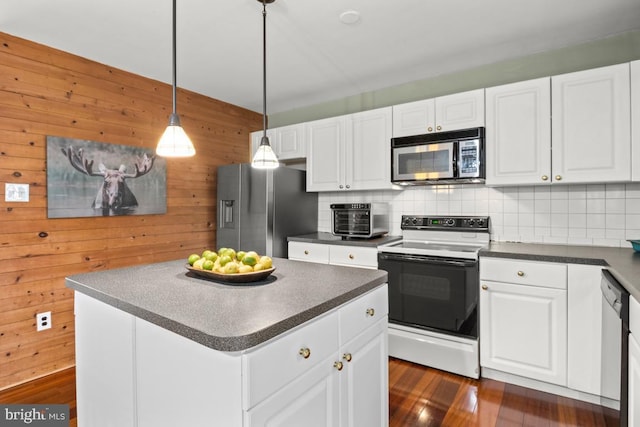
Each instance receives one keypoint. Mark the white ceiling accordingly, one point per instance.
(312, 57)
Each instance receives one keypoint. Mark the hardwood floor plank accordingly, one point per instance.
(418, 397)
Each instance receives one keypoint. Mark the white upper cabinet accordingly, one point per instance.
(290, 142)
(326, 160)
(591, 126)
(518, 133)
(458, 111)
(287, 142)
(635, 120)
(350, 152)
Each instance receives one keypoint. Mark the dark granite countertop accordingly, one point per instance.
(328, 238)
(624, 263)
(227, 317)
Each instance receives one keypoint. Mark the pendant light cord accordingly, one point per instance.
(174, 58)
(264, 68)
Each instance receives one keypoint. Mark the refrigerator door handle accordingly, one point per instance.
(226, 214)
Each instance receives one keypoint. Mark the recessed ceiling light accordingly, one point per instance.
(350, 17)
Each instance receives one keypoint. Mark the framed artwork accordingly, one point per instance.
(88, 178)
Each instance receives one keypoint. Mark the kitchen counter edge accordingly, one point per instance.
(153, 299)
(330, 239)
(624, 263)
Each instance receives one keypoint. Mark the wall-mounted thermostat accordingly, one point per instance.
(16, 192)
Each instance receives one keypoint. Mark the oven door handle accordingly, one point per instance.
(428, 259)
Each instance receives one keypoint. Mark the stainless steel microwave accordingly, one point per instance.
(439, 158)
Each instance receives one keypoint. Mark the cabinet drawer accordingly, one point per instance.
(363, 312)
(311, 252)
(543, 274)
(353, 256)
(274, 365)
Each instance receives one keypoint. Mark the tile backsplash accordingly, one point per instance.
(591, 214)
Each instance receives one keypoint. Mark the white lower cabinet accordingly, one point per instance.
(350, 256)
(523, 324)
(634, 362)
(330, 371)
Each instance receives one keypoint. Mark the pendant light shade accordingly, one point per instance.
(174, 141)
(264, 158)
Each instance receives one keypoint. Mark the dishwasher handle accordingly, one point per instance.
(612, 291)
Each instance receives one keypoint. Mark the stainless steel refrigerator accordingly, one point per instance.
(258, 209)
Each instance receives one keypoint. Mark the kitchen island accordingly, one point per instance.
(158, 346)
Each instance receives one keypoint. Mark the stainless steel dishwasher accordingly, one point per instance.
(616, 298)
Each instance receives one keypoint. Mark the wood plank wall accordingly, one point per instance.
(43, 92)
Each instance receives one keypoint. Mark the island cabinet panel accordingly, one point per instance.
(182, 383)
(329, 371)
(310, 400)
(105, 368)
(364, 378)
(272, 366)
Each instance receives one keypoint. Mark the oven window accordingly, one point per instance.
(433, 296)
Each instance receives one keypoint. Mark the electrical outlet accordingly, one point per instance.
(43, 321)
(16, 192)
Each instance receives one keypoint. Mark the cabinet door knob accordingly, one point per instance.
(438, 127)
(340, 186)
(347, 357)
(305, 352)
(338, 366)
(430, 129)
(558, 178)
(370, 312)
(485, 287)
(521, 273)
(545, 177)
(306, 252)
(351, 256)
(348, 186)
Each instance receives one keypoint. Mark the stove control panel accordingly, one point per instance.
(458, 223)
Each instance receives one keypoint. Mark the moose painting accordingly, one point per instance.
(88, 178)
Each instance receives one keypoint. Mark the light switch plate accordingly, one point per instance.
(16, 192)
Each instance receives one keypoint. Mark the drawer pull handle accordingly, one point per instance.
(521, 273)
(430, 129)
(351, 256)
(338, 366)
(305, 352)
(438, 127)
(347, 357)
(558, 178)
(306, 252)
(485, 287)
(370, 312)
(545, 177)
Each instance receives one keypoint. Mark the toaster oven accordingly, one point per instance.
(359, 220)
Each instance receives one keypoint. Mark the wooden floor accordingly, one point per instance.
(418, 396)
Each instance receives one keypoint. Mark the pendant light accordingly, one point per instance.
(174, 141)
(264, 158)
